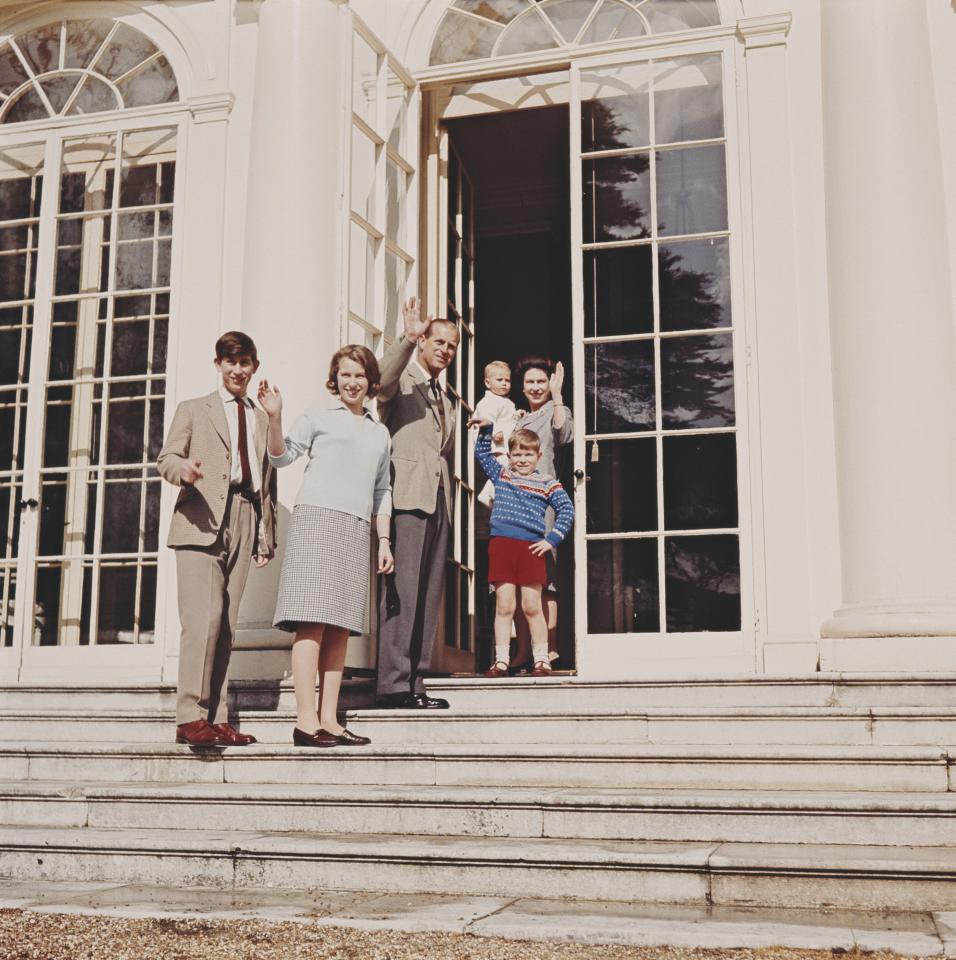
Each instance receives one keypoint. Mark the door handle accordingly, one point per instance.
(32, 503)
(579, 474)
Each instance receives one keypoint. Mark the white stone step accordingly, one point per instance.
(863, 768)
(568, 693)
(561, 694)
(161, 697)
(744, 816)
(907, 878)
(880, 726)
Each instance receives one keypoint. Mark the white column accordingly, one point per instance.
(292, 263)
(894, 357)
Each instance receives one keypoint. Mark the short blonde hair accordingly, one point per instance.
(496, 365)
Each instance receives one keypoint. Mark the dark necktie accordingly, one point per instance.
(436, 396)
(246, 481)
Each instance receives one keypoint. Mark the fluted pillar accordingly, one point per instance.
(293, 234)
(894, 355)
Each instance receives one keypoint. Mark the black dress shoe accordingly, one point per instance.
(320, 738)
(422, 701)
(395, 701)
(348, 739)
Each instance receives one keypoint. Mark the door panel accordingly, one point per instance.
(457, 651)
(658, 516)
(21, 189)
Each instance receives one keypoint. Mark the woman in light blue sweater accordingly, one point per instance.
(323, 588)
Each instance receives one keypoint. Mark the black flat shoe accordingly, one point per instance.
(320, 738)
(348, 739)
(421, 701)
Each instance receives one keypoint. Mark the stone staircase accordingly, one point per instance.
(812, 791)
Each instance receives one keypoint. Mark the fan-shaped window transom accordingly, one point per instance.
(74, 67)
(478, 29)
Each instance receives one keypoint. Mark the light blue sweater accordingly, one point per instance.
(349, 461)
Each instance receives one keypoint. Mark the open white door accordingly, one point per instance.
(663, 572)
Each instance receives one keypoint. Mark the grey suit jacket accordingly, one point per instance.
(420, 458)
(199, 431)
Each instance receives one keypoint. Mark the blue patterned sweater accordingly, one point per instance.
(522, 502)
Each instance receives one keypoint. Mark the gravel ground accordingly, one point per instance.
(33, 936)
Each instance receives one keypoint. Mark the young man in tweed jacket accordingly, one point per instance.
(224, 517)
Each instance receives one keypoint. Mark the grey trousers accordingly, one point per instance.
(210, 581)
(413, 598)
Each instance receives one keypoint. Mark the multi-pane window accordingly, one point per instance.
(381, 177)
(459, 307)
(73, 67)
(86, 225)
(105, 390)
(662, 525)
(477, 29)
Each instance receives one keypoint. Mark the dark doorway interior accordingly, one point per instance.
(518, 162)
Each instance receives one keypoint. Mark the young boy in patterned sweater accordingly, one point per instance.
(518, 543)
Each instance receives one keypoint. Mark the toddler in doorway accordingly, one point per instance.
(496, 407)
(518, 542)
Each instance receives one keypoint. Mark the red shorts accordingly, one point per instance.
(511, 561)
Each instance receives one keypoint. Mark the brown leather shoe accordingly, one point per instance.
(201, 733)
(498, 669)
(348, 739)
(541, 669)
(320, 738)
(235, 738)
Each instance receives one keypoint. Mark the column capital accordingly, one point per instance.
(770, 31)
(211, 109)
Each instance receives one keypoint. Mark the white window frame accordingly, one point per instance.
(24, 660)
(707, 649)
(375, 328)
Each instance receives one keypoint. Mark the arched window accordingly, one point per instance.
(87, 206)
(476, 29)
(74, 67)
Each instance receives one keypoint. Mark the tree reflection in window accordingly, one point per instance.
(75, 67)
(659, 354)
(478, 29)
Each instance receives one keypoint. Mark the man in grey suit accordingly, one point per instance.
(421, 422)
(224, 516)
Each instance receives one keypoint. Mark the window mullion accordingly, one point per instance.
(106, 392)
(36, 393)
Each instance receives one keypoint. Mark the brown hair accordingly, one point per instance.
(234, 344)
(534, 363)
(360, 355)
(525, 439)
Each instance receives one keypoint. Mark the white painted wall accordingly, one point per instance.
(781, 95)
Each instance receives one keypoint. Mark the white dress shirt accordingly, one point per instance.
(232, 419)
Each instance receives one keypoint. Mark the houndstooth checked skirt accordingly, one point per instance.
(325, 571)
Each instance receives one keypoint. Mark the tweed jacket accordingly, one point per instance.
(421, 458)
(199, 431)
